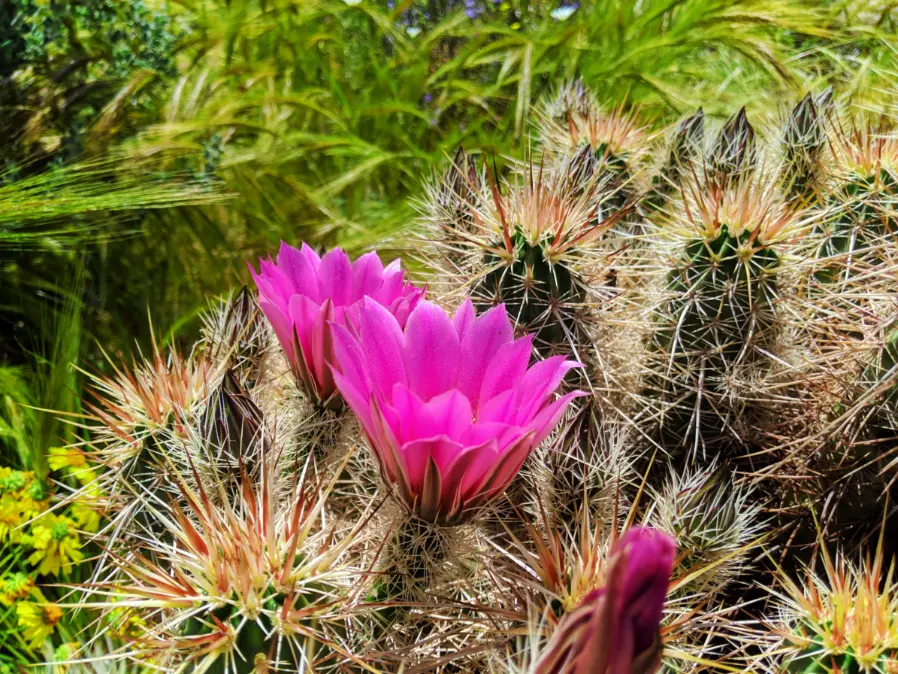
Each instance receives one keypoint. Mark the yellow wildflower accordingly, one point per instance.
(13, 481)
(86, 508)
(56, 544)
(10, 518)
(38, 620)
(34, 497)
(15, 587)
(74, 460)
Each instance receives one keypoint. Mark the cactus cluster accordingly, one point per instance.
(691, 330)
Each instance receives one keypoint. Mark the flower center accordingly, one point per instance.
(51, 614)
(59, 531)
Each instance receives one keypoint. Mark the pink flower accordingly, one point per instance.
(302, 293)
(616, 628)
(449, 405)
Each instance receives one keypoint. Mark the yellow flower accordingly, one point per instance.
(34, 497)
(15, 587)
(10, 518)
(38, 620)
(56, 544)
(74, 460)
(14, 481)
(87, 516)
(87, 506)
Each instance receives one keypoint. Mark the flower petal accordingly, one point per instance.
(451, 412)
(431, 351)
(303, 315)
(392, 285)
(415, 419)
(283, 327)
(301, 267)
(441, 450)
(506, 368)
(335, 276)
(547, 418)
(537, 384)
(505, 468)
(464, 318)
(382, 342)
(367, 276)
(482, 341)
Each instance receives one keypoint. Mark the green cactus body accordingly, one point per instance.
(721, 312)
(803, 143)
(711, 522)
(256, 639)
(614, 177)
(877, 454)
(685, 148)
(543, 296)
(734, 154)
(862, 217)
(817, 658)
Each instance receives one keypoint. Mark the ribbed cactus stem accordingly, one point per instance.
(255, 649)
(815, 659)
(734, 154)
(863, 217)
(684, 149)
(415, 554)
(582, 471)
(803, 142)
(720, 312)
(541, 295)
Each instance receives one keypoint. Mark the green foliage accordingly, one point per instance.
(17, 421)
(73, 63)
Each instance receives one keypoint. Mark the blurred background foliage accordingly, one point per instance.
(150, 148)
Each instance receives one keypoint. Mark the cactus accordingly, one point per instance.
(683, 151)
(718, 314)
(588, 466)
(843, 621)
(861, 209)
(539, 243)
(235, 331)
(232, 426)
(449, 206)
(803, 142)
(252, 584)
(572, 98)
(610, 146)
(734, 154)
(365, 478)
(714, 523)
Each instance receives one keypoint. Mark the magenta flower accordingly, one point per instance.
(302, 293)
(616, 628)
(449, 405)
